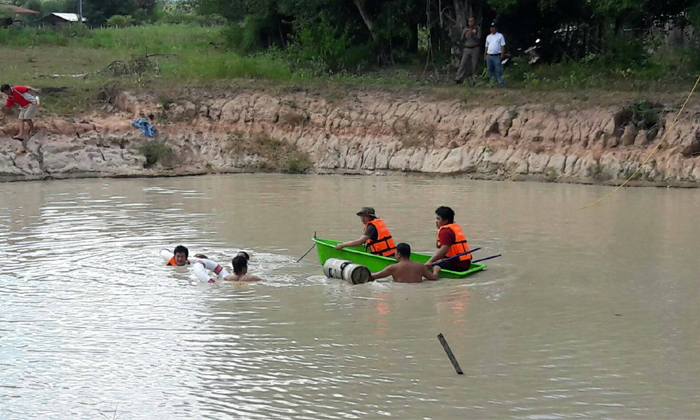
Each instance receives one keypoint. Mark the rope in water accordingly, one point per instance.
(675, 120)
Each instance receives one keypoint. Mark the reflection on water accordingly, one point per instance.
(589, 313)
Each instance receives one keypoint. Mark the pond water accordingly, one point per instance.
(588, 314)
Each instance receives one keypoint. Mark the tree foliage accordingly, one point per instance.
(343, 33)
(99, 11)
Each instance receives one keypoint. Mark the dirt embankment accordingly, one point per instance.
(362, 133)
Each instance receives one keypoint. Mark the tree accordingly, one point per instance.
(33, 5)
(98, 11)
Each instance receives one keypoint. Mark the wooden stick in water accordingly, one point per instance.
(307, 252)
(449, 354)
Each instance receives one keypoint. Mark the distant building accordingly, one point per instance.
(14, 10)
(56, 19)
(18, 10)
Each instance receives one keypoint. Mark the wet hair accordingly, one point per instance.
(446, 213)
(239, 263)
(244, 255)
(181, 249)
(404, 250)
(4, 88)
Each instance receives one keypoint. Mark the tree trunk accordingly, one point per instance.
(461, 8)
(281, 34)
(365, 17)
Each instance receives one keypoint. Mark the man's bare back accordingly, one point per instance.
(406, 271)
(241, 277)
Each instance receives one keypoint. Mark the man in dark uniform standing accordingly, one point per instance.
(470, 55)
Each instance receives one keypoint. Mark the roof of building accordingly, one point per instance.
(18, 10)
(70, 17)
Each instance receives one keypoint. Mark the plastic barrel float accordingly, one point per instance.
(346, 270)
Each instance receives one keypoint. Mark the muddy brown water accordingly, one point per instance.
(589, 314)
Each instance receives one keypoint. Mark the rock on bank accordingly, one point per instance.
(361, 133)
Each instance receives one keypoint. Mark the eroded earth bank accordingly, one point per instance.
(359, 133)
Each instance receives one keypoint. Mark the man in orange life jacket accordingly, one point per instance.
(377, 238)
(450, 242)
(180, 255)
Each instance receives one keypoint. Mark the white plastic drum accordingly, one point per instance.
(202, 265)
(346, 270)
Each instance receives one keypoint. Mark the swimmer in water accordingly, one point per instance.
(405, 270)
(240, 270)
(180, 257)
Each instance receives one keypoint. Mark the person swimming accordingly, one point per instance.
(180, 256)
(240, 270)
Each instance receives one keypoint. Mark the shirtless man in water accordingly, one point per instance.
(405, 270)
(240, 270)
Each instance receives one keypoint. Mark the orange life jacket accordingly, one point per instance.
(384, 245)
(460, 246)
(173, 263)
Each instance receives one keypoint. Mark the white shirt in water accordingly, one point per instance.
(495, 43)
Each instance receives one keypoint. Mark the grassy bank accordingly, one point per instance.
(198, 57)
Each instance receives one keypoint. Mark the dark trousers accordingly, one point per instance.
(467, 67)
(463, 267)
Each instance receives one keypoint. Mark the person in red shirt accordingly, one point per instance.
(451, 242)
(22, 96)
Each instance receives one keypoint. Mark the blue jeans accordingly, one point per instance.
(493, 62)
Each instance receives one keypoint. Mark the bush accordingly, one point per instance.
(272, 154)
(321, 46)
(297, 163)
(120, 21)
(644, 114)
(155, 151)
(624, 53)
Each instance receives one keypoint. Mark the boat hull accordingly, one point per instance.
(326, 249)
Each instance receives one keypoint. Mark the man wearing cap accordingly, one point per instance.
(377, 238)
(470, 55)
(495, 52)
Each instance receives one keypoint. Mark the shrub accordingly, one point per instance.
(155, 151)
(272, 154)
(297, 163)
(120, 21)
(321, 44)
(643, 114)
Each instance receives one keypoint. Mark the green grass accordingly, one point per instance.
(198, 57)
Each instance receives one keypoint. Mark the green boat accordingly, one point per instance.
(375, 263)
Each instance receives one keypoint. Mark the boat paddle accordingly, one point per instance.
(455, 256)
(486, 259)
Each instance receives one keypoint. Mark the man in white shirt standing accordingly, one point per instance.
(495, 52)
